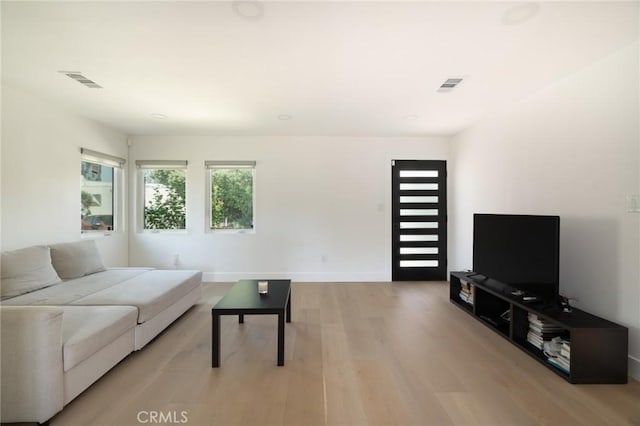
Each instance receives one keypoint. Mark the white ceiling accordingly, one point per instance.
(337, 68)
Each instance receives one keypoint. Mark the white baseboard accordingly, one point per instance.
(297, 276)
(634, 367)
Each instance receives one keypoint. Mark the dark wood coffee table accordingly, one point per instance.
(243, 299)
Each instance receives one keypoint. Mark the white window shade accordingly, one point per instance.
(229, 164)
(161, 164)
(101, 158)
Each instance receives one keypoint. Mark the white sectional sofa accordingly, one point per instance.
(66, 320)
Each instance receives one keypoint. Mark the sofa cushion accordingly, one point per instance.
(71, 290)
(76, 259)
(151, 292)
(26, 270)
(87, 329)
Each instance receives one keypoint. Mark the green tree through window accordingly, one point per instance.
(164, 193)
(232, 198)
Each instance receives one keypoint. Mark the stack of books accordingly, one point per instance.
(541, 331)
(563, 359)
(466, 292)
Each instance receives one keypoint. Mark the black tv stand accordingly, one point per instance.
(599, 348)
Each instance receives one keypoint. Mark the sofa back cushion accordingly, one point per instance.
(26, 270)
(76, 259)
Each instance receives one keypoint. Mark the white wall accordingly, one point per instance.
(41, 173)
(572, 150)
(315, 197)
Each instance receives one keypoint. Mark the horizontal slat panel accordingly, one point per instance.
(412, 199)
(418, 250)
(418, 263)
(418, 212)
(418, 225)
(419, 173)
(420, 237)
(418, 187)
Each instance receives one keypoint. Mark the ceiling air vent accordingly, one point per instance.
(75, 75)
(449, 85)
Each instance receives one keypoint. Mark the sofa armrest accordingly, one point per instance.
(31, 369)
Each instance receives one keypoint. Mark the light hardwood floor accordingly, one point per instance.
(355, 354)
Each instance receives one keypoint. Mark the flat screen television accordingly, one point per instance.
(522, 251)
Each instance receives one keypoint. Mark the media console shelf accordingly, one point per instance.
(598, 348)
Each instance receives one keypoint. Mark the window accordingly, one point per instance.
(163, 194)
(231, 197)
(99, 174)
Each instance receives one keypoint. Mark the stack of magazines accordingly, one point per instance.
(466, 292)
(562, 358)
(541, 331)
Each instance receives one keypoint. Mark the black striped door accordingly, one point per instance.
(419, 215)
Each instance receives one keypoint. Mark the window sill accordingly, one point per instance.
(96, 234)
(164, 231)
(231, 231)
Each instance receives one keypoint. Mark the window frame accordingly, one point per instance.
(142, 166)
(209, 167)
(118, 192)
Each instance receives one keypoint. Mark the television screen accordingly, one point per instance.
(519, 250)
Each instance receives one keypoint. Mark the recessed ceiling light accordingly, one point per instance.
(284, 117)
(158, 116)
(520, 13)
(410, 117)
(251, 10)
